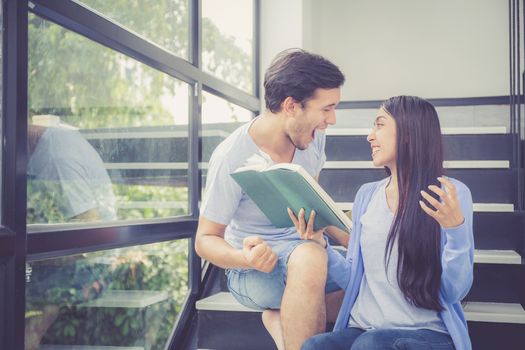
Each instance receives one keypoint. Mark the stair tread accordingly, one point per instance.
(496, 256)
(474, 311)
(222, 301)
(478, 207)
(485, 256)
(127, 299)
(494, 312)
(479, 130)
(448, 164)
(333, 131)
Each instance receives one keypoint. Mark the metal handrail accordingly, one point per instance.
(516, 97)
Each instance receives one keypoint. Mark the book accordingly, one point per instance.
(284, 185)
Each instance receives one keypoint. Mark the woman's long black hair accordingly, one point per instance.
(419, 162)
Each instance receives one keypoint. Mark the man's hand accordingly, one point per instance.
(259, 254)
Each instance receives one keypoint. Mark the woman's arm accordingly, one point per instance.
(454, 214)
(341, 237)
(457, 258)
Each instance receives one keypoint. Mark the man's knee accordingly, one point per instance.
(308, 262)
(308, 255)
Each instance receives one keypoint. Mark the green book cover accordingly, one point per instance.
(284, 185)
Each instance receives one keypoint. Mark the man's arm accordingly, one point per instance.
(210, 245)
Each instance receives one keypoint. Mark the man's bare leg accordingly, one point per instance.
(303, 311)
(272, 322)
(272, 318)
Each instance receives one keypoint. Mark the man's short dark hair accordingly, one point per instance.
(298, 73)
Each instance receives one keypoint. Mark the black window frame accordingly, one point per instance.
(17, 246)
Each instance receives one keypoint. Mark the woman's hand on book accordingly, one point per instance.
(306, 229)
(446, 212)
(258, 254)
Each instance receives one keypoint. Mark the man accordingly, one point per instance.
(269, 268)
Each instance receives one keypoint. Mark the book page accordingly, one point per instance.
(317, 188)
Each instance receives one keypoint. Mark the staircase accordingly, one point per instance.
(478, 153)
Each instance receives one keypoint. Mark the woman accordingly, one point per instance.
(410, 257)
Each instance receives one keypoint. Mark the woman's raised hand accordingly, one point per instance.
(446, 212)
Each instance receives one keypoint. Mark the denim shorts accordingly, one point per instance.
(260, 290)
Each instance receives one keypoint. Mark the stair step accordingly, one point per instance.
(222, 301)
(332, 131)
(497, 282)
(447, 164)
(493, 207)
(350, 164)
(478, 207)
(486, 185)
(494, 312)
(482, 256)
(502, 231)
(480, 130)
(474, 311)
(127, 299)
(455, 147)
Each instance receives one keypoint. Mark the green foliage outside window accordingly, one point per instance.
(154, 267)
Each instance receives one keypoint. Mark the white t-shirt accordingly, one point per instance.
(225, 202)
(381, 303)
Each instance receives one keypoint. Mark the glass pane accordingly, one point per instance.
(127, 297)
(227, 41)
(108, 136)
(219, 119)
(164, 22)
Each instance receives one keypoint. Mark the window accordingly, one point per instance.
(121, 297)
(227, 41)
(112, 100)
(164, 22)
(108, 136)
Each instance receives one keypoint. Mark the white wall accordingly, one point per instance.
(281, 28)
(434, 49)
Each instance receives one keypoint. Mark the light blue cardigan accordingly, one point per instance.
(457, 261)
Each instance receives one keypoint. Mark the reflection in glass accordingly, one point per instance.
(219, 119)
(227, 41)
(122, 297)
(134, 117)
(164, 22)
(67, 180)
